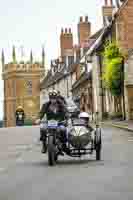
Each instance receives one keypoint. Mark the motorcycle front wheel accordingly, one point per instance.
(51, 151)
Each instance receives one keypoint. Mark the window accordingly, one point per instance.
(29, 87)
(70, 60)
(14, 88)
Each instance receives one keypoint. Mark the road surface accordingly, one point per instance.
(25, 174)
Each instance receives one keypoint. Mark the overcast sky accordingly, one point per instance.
(33, 23)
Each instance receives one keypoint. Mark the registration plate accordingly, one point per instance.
(52, 123)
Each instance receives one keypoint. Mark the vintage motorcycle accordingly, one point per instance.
(80, 140)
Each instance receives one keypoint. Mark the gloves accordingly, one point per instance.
(38, 121)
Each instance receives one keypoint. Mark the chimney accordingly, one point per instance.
(107, 11)
(66, 43)
(65, 30)
(70, 30)
(84, 30)
(86, 18)
(81, 19)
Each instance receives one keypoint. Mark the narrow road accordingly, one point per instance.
(26, 175)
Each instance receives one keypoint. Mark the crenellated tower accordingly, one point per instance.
(21, 86)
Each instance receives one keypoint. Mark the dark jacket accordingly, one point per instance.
(59, 115)
(62, 99)
(18, 113)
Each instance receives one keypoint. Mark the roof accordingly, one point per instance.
(96, 35)
(84, 77)
(50, 80)
(121, 8)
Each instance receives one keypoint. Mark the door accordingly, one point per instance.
(130, 102)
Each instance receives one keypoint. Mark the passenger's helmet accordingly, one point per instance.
(84, 116)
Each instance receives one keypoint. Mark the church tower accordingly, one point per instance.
(21, 87)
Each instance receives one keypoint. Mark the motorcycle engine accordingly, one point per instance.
(79, 136)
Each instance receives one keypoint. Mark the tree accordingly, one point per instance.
(113, 72)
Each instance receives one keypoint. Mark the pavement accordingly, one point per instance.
(28, 176)
(126, 125)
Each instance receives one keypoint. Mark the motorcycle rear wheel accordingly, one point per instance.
(98, 144)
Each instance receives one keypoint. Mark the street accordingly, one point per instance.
(25, 174)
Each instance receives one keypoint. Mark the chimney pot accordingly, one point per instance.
(111, 2)
(86, 18)
(62, 31)
(65, 30)
(70, 30)
(81, 19)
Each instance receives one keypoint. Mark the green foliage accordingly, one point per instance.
(112, 51)
(112, 75)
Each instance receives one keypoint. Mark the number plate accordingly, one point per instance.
(52, 123)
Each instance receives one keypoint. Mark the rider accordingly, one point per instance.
(53, 109)
(86, 118)
(19, 115)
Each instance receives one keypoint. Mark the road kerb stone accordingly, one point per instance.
(118, 126)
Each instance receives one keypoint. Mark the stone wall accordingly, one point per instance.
(21, 89)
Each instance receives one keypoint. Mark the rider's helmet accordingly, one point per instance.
(55, 93)
(52, 94)
(84, 116)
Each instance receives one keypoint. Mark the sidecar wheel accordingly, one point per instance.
(51, 151)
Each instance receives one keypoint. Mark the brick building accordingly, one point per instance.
(124, 25)
(21, 87)
(65, 70)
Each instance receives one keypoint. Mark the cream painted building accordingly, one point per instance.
(129, 86)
